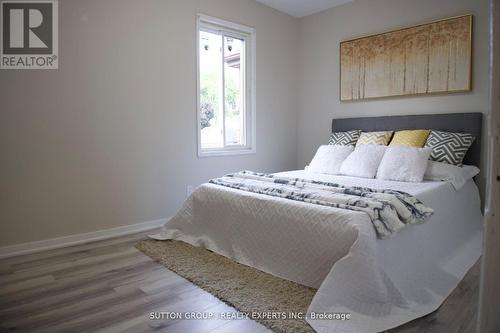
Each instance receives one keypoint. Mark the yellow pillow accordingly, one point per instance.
(377, 138)
(410, 138)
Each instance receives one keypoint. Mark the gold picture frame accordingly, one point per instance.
(426, 59)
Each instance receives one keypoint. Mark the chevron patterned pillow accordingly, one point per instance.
(377, 138)
(449, 147)
(348, 138)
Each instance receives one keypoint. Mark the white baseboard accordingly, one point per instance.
(54, 243)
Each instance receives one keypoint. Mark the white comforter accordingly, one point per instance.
(382, 283)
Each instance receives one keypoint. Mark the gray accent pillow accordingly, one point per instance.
(448, 147)
(348, 138)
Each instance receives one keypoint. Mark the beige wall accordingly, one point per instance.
(109, 139)
(320, 35)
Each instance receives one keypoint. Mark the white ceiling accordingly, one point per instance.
(300, 8)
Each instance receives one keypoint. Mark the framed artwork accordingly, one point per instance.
(430, 58)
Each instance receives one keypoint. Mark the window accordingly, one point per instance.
(226, 87)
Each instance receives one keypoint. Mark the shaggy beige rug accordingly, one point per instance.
(245, 288)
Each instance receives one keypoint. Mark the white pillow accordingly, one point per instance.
(407, 164)
(328, 159)
(363, 161)
(456, 175)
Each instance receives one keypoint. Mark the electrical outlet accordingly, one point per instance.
(189, 190)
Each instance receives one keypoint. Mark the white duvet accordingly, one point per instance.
(382, 283)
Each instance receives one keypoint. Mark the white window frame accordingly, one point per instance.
(249, 93)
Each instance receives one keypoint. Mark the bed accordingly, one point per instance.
(381, 283)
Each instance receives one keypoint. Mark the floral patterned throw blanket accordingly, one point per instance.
(389, 210)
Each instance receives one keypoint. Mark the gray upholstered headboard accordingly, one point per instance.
(451, 122)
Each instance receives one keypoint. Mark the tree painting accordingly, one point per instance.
(425, 59)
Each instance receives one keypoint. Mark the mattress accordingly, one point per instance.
(381, 283)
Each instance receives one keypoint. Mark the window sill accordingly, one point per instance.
(211, 153)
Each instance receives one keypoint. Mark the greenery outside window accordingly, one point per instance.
(226, 87)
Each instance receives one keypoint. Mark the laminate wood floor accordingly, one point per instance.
(109, 286)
